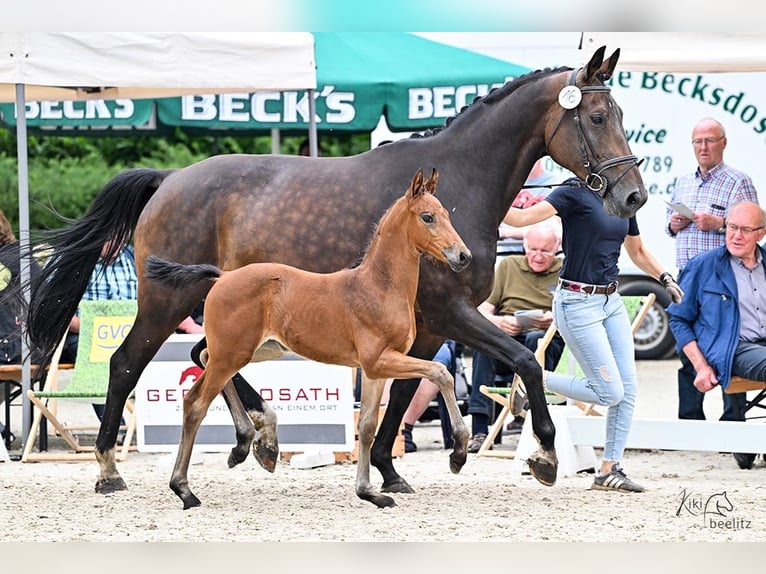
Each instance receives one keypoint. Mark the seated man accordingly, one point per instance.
(719, 324)
(522, 282)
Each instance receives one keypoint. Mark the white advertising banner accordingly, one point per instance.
(314, 402)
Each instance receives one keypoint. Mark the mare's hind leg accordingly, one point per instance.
(372, 390)
(399, 398)
(263, 420)
(244, 430)
(125, 367)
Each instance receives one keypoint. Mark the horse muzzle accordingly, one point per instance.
(458, 257)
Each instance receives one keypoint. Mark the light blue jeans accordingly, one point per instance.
(596, 328)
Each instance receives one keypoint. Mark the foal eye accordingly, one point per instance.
(427, 218)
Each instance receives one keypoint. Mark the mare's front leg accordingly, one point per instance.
(476, 331)
(400, 366)
(372, 391)
(399, 399)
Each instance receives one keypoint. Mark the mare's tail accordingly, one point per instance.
(177, 275)
(72, 253)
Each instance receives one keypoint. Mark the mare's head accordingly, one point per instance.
(429, 225)
(584, 132)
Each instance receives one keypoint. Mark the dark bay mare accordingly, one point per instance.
(359, 317)
(318, 214)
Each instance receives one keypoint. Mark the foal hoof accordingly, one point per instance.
(191, 501)
(265, 456)
(543, 466)
(399, 486)
(456, 462)
(110, 485)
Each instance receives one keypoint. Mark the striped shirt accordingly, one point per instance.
(713, 193)
(115, 281)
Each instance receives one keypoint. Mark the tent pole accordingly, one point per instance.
(275, 143)
(21, 153)
(313, 142)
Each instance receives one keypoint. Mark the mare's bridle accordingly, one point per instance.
(594, 180)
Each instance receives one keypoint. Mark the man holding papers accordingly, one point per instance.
(707, 194)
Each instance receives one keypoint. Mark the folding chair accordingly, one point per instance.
(740, 385)
(637, 308)
(103, 326)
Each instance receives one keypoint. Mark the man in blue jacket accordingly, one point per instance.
(721, 323)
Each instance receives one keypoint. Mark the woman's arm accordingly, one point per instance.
(641, 256)
(530, 215)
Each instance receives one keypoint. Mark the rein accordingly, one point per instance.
(594, 180)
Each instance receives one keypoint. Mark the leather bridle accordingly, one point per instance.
(594, 181)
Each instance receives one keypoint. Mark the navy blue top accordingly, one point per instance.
(591, 239)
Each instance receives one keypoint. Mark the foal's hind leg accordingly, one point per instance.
(245, 432)
(372, 390)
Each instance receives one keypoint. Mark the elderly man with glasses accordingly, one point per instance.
(708, 192)
(522, 283)
(720, 324)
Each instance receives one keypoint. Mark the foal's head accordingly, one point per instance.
(429, 226)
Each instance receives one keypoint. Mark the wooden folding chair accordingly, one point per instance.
(637, 307)
(103, 325)
(741, 385)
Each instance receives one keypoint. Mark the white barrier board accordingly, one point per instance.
(314, 402)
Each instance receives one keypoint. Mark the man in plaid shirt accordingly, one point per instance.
(708, 192)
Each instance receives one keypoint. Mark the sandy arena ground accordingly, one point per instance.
(56, 501)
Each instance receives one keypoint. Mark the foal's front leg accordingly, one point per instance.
(372, 391)
(403, 366)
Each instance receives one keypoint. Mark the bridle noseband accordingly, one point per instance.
(594, 180)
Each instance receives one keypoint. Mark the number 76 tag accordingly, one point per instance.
(570, 97)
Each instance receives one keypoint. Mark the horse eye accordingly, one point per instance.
(598, 120)
(427, 218)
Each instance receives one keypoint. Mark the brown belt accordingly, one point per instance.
(588, 288)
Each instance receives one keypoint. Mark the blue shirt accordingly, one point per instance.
(591, 239)
(709, 312)
(118, 280)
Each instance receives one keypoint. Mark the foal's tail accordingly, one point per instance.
(72, 253)
(178, 275)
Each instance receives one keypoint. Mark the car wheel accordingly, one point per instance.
(654, 339)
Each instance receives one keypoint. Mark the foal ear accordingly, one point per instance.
(595, 64)
(430, 184)
(609, 65)
(416, 187)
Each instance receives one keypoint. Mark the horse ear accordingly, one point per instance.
(416, 187)
(432, 181)
(609, 65)
(595, 64)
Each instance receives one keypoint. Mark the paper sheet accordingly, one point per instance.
(682, 209)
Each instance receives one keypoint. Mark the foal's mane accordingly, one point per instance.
(494, 95)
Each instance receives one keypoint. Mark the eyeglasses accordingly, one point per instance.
(745, 230)
(541, 252)
(707, 141)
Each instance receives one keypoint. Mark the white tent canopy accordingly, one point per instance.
(683, 52)
(74, 66)
(42, 66)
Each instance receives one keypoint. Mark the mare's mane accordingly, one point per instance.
(494, 95)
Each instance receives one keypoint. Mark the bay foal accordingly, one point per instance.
(362, 317)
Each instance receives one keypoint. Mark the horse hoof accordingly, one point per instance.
(399, 487)
(543, 468)
(265, 456)
(236, 457)
(110, 485)
(191, 501)
(456, 462)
